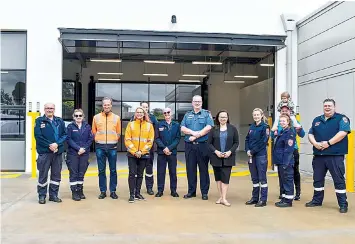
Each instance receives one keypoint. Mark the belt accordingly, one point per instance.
(196, 142)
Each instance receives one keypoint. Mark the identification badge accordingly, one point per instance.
(161, 129)
(75, 130)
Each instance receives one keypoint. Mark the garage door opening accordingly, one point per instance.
(233, 72)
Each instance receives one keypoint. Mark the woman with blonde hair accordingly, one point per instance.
(139, 137)
(79, 140)
(255, 146)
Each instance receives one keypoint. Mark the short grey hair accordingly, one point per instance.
(107, 99)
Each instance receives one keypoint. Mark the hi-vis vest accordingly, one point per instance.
(107, 129)
(139, 136)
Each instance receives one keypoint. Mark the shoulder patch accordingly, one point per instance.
(345, 119)
(317, 123)
(290, 142)
(267, 131)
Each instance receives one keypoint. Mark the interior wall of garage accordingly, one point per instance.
(326, 66)
(238, 99)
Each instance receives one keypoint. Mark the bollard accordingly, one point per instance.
(350, 161)
(34, 116)
(269, 148)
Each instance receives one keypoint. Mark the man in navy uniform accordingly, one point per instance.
(167, 139)
(50, 134)
(329, 137)
(196, 125)
(149, 179)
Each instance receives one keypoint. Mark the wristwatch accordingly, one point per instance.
(328, 143)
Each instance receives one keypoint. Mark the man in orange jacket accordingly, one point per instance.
(106, 127)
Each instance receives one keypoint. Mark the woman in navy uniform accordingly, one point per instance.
(167, 139)
(255, 146)
(283, 158)
(223, 141)
(80, 138)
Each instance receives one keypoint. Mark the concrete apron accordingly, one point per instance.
(170, 220)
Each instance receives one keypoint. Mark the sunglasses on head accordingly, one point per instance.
(78, 115)
(168, 112)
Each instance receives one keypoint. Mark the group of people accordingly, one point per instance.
(206, 141)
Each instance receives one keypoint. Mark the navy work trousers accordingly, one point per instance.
(296, 174)
(197, 154)
(285, 172)
(111, 155)
(77, 165)
(171, 160)
(258, 168)
(149, 179)
(336, 167)
(46, 161)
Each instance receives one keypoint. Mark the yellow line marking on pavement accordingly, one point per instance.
(181, 164)
(5, 175)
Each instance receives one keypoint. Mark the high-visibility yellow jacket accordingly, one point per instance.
(106, 128)
(139, 136)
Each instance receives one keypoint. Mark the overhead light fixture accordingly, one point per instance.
(4, 72)
(107, 79)
(268, 65)
(106, 60)
(190, 75)
(189, 81)
(211, 63)
(234, 81)
(103, 73)
(155, 74)
(159, 62)
(246, 76)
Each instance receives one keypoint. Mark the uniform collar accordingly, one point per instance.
(193, 111)
(324, 119)
(261, 123)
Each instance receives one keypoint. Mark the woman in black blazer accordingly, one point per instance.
(223, 141)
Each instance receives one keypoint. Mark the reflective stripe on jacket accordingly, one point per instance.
(139, 136)
(106, 128)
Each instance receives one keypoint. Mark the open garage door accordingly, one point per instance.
(191, 63)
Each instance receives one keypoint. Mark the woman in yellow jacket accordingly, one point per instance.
(139, 137)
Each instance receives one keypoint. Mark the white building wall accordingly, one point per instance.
(41, 20)
(326, 66)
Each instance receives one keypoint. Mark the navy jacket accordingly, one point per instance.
(257, 138)
(284, 147)
(167, 136)
(47, 132)
(324, 130)
(79, 138)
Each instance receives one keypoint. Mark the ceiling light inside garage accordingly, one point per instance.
(268, 65)
(159, 62)
(109, 79)
(234, 81)
(155, 74)
(106, 60)
(4, 72)
(210, 63)
(246, 76)
(103, 73)
(189, 81)
(191, 75)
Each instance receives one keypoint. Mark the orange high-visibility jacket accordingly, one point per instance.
(139, 136)
(106, 128)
